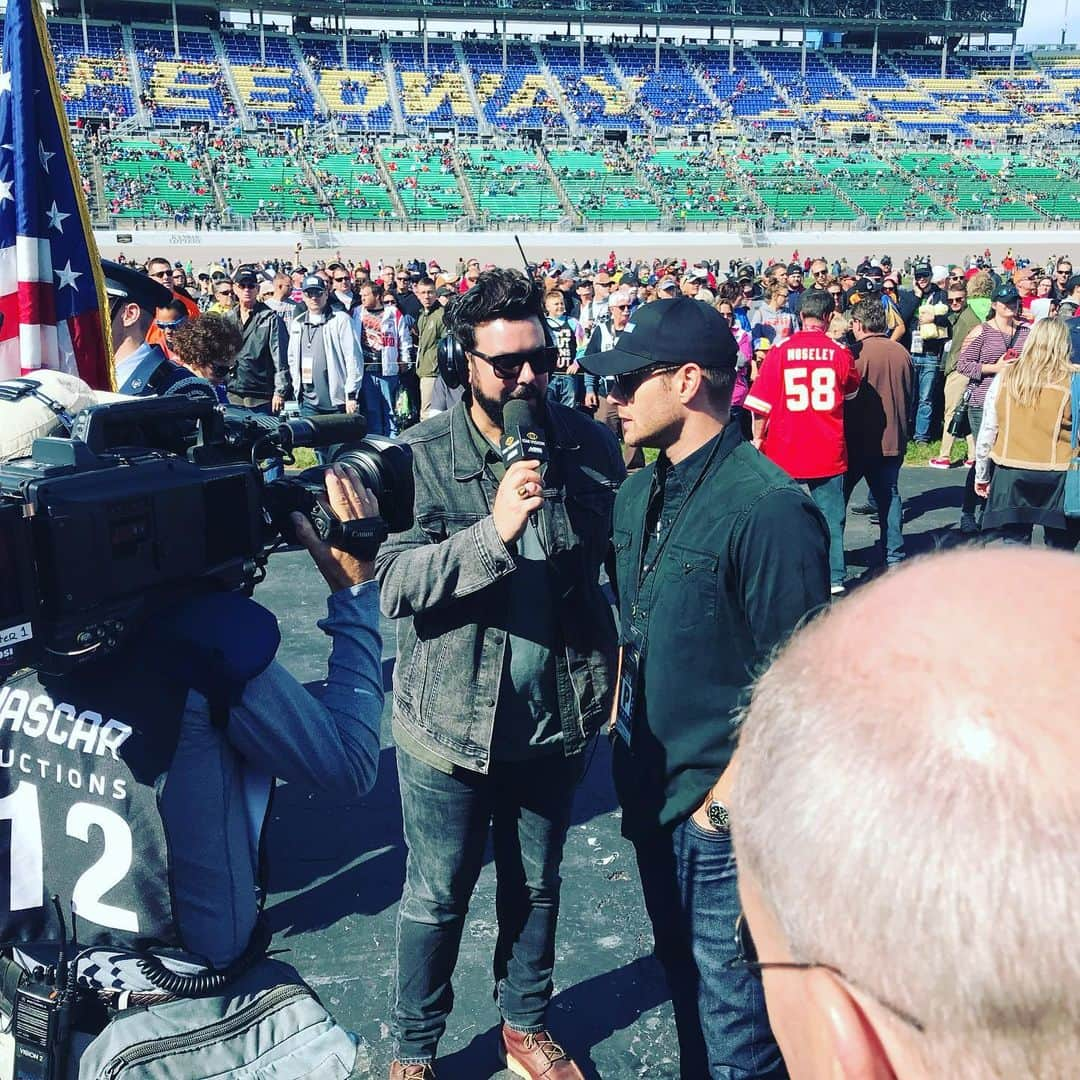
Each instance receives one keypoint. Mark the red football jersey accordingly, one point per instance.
(801, 389)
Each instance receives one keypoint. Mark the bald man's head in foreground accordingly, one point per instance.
(906, 817)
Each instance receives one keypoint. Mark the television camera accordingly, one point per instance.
(150, 498)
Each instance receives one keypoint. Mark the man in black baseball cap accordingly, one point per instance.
(719, 555)
(663, 335)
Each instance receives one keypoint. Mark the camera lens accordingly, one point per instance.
(385, 467)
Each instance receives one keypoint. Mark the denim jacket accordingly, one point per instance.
(445, 580)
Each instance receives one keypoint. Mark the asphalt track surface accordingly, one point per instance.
(336, 871)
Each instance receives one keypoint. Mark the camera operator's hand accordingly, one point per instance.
(519, 494)
(349, 500)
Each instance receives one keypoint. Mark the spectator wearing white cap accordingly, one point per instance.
(603, 338)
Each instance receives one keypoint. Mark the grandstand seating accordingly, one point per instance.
(965, 186)
(672, 95)
(188, 87)
(594, 93)
(857, 68)
(156, 179)
(981, 97)
(792, 190)
(94, 82)
(602, 194)
(511, 185)
(267, 187)
(518, 97)
(877, 190)
(820, 82)
(273, 90)
(693, 187)
(745, 90)
(353, 184)
(426, 183)
(356, 93)
(434, 94)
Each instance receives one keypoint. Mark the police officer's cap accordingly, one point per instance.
(126, 283)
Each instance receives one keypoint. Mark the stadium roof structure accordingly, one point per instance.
(927, 17)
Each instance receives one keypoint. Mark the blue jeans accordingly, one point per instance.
(323, 454)
(689, 881)
(446, 820)
(563, 390)
(927, 377)
(882, 476)
(828, 496)
(379, 393)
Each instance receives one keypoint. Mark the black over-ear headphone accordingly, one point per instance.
(451, 356)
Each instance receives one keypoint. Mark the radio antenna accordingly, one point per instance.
(528, 271)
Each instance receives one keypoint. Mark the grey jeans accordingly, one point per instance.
(447, 817)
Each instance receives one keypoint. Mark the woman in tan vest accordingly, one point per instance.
(1026, 432)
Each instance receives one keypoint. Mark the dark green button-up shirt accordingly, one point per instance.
(728, 578)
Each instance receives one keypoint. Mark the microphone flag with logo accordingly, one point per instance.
(523, 436)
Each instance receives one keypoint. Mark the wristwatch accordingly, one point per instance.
(717, 814)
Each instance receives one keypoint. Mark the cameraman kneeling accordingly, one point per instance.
(137, 802)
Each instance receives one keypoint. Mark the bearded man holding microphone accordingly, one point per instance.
(506, 649)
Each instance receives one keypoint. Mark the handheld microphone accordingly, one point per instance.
(522, 436)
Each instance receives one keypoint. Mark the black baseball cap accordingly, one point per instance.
(679, 331)
(1005, 294)
(246, 275)
(868, 285)
(924, 270)
(1072, 283)
(795, 268)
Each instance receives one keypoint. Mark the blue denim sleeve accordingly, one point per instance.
(329, 742)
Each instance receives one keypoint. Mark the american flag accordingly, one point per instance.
(52, 292)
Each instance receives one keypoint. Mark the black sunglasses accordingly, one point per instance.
(747, 960)
(624, 386)
(542, 360)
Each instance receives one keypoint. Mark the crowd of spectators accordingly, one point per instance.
(958, 328)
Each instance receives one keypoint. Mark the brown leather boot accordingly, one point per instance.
(421, 1071)
(537, 1055)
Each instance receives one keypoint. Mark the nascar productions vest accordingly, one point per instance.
(83, 760)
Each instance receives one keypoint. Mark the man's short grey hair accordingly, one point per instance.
(910, 832)
(872, 316)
